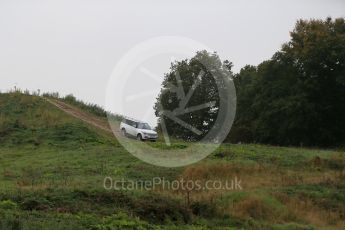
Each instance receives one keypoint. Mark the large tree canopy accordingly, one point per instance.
(297, 97)
(191, 90)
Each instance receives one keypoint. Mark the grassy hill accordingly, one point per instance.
(52, 168)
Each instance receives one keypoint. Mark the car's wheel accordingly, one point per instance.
(123, 132)
(139, 137)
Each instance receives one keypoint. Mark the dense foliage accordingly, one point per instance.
(191, 91)
(297, 97)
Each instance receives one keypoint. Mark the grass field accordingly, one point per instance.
(52, 169)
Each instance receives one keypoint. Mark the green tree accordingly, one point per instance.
(191, 90)
(242, 129)
(298, 96)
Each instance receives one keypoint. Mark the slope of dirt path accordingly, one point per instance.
(81, 115)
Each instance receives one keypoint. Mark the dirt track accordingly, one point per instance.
(84, 116)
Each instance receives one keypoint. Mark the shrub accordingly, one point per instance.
(256, 208)
(335, 164)
(160, 210)
(8, 204)
(122, 221)
(203, 209)
(35, 203)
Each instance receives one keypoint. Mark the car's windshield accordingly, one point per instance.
(144, 126)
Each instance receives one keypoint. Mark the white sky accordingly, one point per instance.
(72, 46)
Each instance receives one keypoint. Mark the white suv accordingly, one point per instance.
(140, 130)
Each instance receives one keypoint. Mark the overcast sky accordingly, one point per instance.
(72, 46)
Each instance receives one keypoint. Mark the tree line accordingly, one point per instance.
(295, 98)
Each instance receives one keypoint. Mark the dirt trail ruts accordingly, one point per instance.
(84, 116)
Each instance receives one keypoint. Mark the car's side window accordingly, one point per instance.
(131, 123)
(141, 126)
